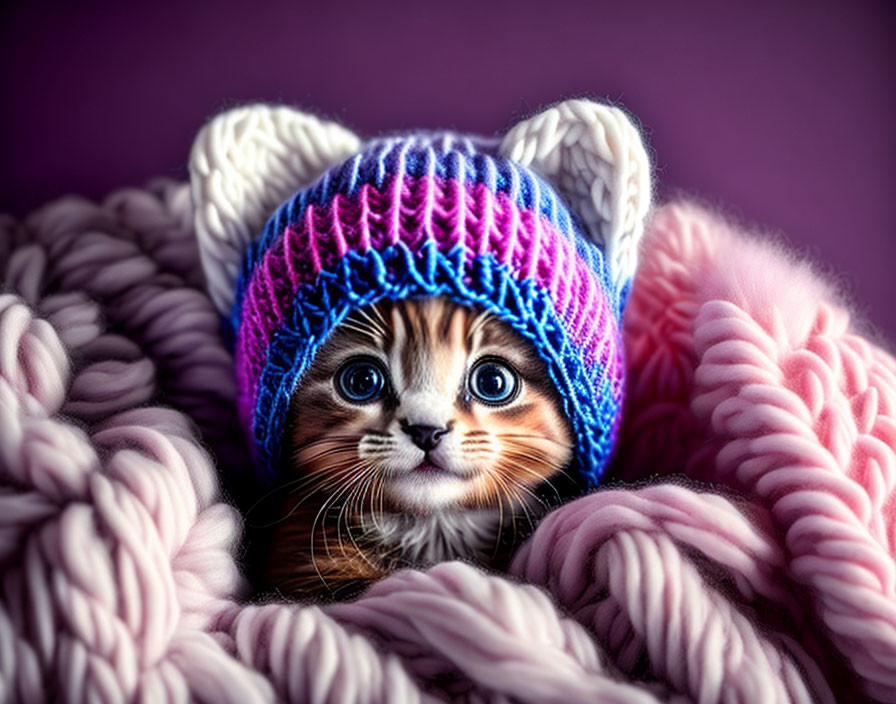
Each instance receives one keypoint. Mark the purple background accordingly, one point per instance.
(784, 114)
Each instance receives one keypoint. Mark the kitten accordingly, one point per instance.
(423, 431)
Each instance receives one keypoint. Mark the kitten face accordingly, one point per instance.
(419, 406)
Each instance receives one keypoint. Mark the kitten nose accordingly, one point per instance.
(426, 437)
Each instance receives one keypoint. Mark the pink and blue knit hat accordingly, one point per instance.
(429, 215)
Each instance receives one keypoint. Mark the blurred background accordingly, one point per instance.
(782, 114)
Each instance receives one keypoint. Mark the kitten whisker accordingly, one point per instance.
(522, 461)
(512, 498)
(307, 496)
(322, 509)
(292, 486)
(536, 497)
(362, 329)
(541, 480)
(384, 553)
(329, 438)
(525, 451)
(326, 475)
(375, 311)
(317, 469)
(371, 495)
(362, 484)
(381, 326)
(495, 487)
(326, 452)
(322, 512)
(531, 436)
(513, 490)
(264, 498)
(382, 495)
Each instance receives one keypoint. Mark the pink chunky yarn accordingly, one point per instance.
(772, 580)
(748, 374)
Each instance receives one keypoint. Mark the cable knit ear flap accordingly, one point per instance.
(593, 155)
(244, 163)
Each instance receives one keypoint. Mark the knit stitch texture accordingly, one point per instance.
(773, 579)
(429, 215)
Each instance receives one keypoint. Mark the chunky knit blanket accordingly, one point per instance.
(743, 549)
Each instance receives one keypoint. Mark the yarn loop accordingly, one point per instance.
(767, 575)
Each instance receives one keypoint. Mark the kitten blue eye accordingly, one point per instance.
(360, 380)
(493, 382)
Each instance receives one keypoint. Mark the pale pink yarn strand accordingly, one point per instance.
(632, 566)
(745, 372)
(770, 580)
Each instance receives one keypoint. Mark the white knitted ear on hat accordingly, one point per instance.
(244, 163)
(594, 157)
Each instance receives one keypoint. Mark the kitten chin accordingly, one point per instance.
(423, 431)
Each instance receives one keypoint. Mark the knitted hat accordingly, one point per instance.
(541, 229)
